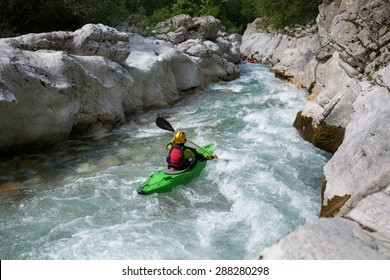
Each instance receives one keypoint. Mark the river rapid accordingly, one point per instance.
(78, 199)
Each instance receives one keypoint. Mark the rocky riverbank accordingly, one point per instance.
(343, 60)
(59, 83)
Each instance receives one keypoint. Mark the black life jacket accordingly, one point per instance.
(176, 158)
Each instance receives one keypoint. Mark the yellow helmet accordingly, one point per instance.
(179, 137)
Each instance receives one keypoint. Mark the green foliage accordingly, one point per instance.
(160, 15)
(370, 78)
(248, 9)
(183, 7)
(354, 22)
(281, 13)
(20, 16)
(106, 11)
(210, 7)
(197, 8)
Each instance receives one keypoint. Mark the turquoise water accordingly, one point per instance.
(78, 200)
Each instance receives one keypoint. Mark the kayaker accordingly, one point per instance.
(180, 156)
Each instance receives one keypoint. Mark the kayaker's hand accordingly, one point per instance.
(214, 156)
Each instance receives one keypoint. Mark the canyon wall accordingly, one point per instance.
(343, 61)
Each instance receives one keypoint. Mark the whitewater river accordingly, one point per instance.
(78, 200)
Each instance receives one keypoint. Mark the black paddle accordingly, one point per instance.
(164, 124)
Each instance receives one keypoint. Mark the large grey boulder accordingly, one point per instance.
(229, 47)
(180, 35)
(198, 48)
(210, 60)
(209, 26)
(54, 94)
(328, 239)
(100, 40)
(59, 40)
(161, 72)
(91, 39)
(184, 21)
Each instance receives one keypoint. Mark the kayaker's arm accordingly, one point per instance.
(199, 156)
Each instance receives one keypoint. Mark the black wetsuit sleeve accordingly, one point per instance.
(198, 156)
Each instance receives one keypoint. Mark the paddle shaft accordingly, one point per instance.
(204, 150)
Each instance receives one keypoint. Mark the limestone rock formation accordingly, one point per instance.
(343, 60)
(328, 239)
(204, 34)
(58, 83)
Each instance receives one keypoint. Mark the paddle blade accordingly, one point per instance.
(164, 124)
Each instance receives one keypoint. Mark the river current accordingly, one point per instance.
(78, 199)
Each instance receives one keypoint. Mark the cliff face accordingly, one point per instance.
(343, 60)
(58, 83)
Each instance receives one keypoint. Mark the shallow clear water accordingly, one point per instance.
(78, 200)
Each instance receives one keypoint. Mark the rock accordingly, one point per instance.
(327, 12)
(91, 39)
(328, 239)
(325, 137)
(324, 125)
(383, 77)
(60, 40)
(184, 21)
(229, 48)
(40, 114)
(89, 79)
(180, 35)
(10, 187)
(163, 28)
(197, 48)
(86, 168)
(112, 161)
(161, 73)
(209, 26)
(100, 40)
(345, 66)
(372, 212)
(365, 151)
(216, 68)
(200, 37)
(288, 55)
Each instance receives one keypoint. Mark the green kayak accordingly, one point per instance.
(164, 180)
